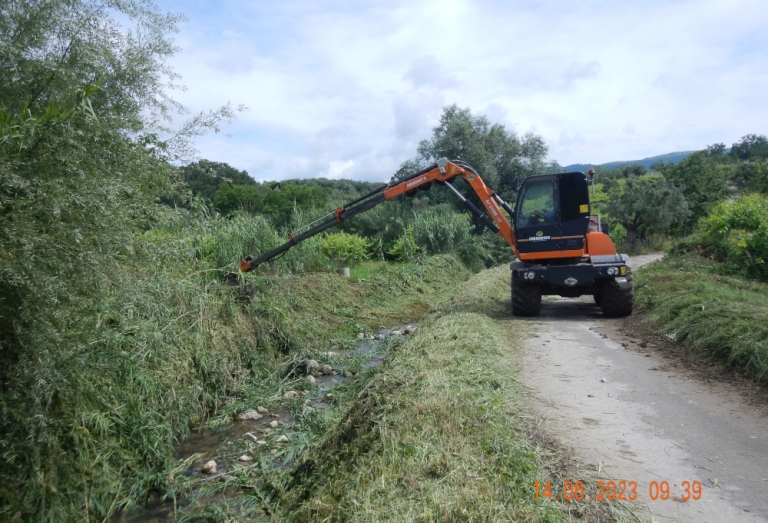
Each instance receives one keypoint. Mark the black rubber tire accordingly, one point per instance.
(598, 296)
(526, 299)
(618, 302)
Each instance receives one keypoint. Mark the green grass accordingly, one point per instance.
(717, 316)
(439, 433)
(366, 269)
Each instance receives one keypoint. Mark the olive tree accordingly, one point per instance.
(645, 204)
(703, 179)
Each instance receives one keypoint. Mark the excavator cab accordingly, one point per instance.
(552, 215)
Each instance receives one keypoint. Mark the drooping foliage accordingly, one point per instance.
(78, 165)
(87, 344)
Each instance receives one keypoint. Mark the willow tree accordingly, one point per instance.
(84, 97)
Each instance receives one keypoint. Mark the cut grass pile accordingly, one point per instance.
(718, 316)
(438, 433)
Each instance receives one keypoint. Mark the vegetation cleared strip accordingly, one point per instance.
(717, 316)
(439, 434)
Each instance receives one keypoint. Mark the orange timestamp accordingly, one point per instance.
(621, 490)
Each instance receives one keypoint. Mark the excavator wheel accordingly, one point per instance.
(526, 299)
(617, 302)
(598, 296)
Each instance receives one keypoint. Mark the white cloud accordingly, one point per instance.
(427, 72)
(331, 83)
(337, 168)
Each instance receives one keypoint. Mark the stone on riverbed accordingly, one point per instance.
(250, 414)
(307, 367)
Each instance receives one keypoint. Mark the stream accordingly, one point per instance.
(224, 445)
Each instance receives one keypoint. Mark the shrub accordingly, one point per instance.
(618, 234)
(736, 234)
(344, 248)
(404, 248)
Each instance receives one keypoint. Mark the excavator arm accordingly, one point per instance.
(443, 172)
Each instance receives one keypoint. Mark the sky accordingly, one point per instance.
(347, 89)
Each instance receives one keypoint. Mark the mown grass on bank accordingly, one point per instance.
(718, 316)
(366, 269)
(437, 435)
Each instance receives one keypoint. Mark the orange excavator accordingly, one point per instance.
(559, 245)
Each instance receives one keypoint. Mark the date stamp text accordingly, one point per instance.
(620, 490)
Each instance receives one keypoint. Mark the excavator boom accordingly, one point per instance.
(442, 173)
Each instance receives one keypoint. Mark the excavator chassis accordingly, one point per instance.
(600, 276)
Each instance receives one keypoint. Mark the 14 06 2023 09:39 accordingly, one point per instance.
(622, 490)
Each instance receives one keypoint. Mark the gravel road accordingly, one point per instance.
(631, 414)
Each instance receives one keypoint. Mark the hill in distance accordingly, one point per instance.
(646, 162)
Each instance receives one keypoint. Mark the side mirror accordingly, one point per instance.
(516, 184)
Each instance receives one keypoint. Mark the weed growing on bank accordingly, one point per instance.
(719, 316)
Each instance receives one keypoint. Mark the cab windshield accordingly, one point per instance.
(537, 204)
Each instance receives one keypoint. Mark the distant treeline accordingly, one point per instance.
(231, 190)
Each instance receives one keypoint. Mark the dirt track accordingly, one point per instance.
(631, 414)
